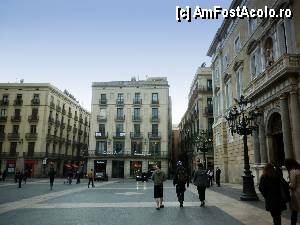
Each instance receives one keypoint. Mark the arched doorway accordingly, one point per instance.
(276, 148)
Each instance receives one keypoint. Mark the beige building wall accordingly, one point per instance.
(128, 89)
(260, 60)
(44, 98)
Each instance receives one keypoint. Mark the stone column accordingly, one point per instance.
(257, 158)
(262, 143)
(295, 116)
(286, 127)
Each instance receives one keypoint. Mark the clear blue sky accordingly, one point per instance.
(71, 43)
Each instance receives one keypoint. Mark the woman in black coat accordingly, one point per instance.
(270, 187)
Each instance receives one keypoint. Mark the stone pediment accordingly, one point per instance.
(237, 64)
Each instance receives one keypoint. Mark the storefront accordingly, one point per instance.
(117, 169)
(29, 167)
(11, 166)
(100, 166)
(135, 168)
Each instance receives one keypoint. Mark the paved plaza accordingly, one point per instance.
(123, 202)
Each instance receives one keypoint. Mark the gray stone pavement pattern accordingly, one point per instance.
(120, 202)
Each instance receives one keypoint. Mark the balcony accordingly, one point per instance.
(3, 118)
(4, 102)
(120, 102)
(101, 119)
(50, 137)
(13, 136)
(119, 135)
(11, 154)
(80, 132)
(86, 123)
(155, 135)
(137, 102)
(58, 108)
(80, 120)
(63, 111)
(63, 125)
(35, 101)
(154, 119)
(70, 115)
(155, 103)
(136, 135)
(18, 102)
(68, 141)
(102, 102)
(101, 135)
(2, 136)
(286, 65)
(52, 105)
(33, 119)
(209, 110)
(136, 118)
(51, 120)
(31, 136)
(75, 130)
(57, 123)
(76, 118)
(16, 119)
(120, 118)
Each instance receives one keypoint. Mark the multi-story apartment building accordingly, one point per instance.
(130, 126)
(40, 124)
(198, 117)
(260, 59)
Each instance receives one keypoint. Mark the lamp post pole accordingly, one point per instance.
(243, 123)
(203, 142)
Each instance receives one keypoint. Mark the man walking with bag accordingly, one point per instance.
(180, 179)
(158, 178)
(200, 180)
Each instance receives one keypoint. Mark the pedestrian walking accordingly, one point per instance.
(270, 187)
(19, 176)
(78, 177)
(158, 178)
(218, 175)
(51, 174)
(26, 174)
(91, 178)
(180, 180)
(293, 168)
(200, 180)
(210, 174)
(4, 174)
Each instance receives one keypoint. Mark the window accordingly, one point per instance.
(37, 96)
(51, 99)
(33, 129)
(282, 39)
(209, 102)
(252, 25)
(19, 97)
(5, 98)
(119, 128)
(225, 60)
(255, 63)
(103, 99)
(237, 45)
(13, 148)
(210, 123)
(17, 113)
(239, 83)
(118, 147)
(3, 112)
(137, 97)
(154, 113)
(154, 98)
(120, 113)
(31, 148)
(228, 94)
(35, 112)
(216, 74)
(102, 129)
(101, 147)
(2, 129)
(155, 129)
(137, 113)
(15, 129)
(209, 85)
(137, 128)
(136, 147)
(154, 148)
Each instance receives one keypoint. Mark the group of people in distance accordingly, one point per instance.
(201, 179)
(278, 192)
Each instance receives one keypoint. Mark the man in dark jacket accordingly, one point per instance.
(19, 176)
(52, 174)
(200, 180)
(218, 175)
(180, 180)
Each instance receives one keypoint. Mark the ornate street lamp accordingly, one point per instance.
(243, 123)
(203, 143)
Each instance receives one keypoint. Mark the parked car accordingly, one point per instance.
(142, 177)
(101, 176)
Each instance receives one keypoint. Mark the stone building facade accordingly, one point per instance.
(40, 124)
(130, 126)
(260, 59)
(198, 117)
